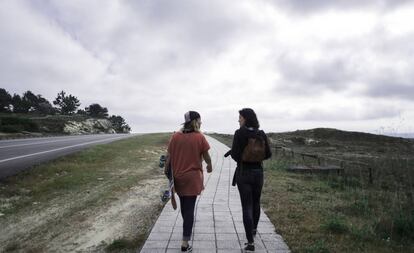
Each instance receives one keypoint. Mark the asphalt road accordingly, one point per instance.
(21, 154)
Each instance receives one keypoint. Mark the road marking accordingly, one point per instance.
(57, 149)
(66, 137)
(35, 143)
(27, 144)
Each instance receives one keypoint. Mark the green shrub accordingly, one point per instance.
(14, 246)
(364, 233)
(53, 124)
(336, 184)
(404, 226)
(318, 247)
(335, 225)
(359, 207)
(15, 124)
(276, 164)
(121, 244)
(298, 140)
(383, 227)
(396, 227)
(11, 128)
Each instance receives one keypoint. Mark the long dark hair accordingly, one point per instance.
(250, 116)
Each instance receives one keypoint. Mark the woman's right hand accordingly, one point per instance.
(209, 168)
(207, 159)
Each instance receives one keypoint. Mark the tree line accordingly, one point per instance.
(64, 104)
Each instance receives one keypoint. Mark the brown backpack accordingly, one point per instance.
(255, 150)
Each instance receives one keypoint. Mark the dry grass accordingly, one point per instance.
(325, 214)
(331, 213)
(79, 185)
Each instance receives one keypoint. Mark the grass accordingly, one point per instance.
(224, 138)
(125, 160)
(334, 213)
(90, 179)
(313, 213)
(335, 224)
(125, 245)
(321, 214)
(317, 247)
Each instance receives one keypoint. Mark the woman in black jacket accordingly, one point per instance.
(249, 177)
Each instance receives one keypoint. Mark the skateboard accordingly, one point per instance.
(170, 193)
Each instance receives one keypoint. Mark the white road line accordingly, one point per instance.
(66, 137)
(57, 149)
(28, 144)
(35, 143)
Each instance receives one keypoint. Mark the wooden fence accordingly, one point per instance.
(322, 162)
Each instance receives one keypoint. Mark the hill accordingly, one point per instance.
(329, 141)
(34, 115)
(344, 136)
(365, 207)
(17, 125)
(338, 142)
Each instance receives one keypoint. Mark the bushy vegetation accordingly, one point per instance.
(346, 212)
(15, 125)
(28, 113)
(329, 213)
(125, 245)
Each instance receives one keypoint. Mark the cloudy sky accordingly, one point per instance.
(300, 64)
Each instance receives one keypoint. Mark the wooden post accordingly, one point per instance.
(370, 175)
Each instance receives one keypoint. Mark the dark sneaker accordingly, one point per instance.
(249, 247)
(187, 249)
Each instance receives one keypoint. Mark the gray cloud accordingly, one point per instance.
(37, 54)
(350, 113)
(164, 33)
(203, 25)
(301, 77)
(391, 88)
(377, 61)
(150, 61)
(310, 6)
(395, 79)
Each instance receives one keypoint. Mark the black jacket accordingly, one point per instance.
(240, 142)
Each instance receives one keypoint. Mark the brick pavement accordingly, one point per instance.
(218, 225)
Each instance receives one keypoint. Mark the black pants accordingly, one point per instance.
(250, 184)
(187, 204)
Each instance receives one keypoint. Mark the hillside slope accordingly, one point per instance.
(336, 142)
(34, 125)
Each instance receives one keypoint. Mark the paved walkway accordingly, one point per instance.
(218, 225)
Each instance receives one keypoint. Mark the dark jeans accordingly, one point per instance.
(250, 184)
(187, 204)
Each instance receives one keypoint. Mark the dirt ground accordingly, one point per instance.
(65, 225)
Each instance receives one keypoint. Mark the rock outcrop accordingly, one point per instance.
(89, 126)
